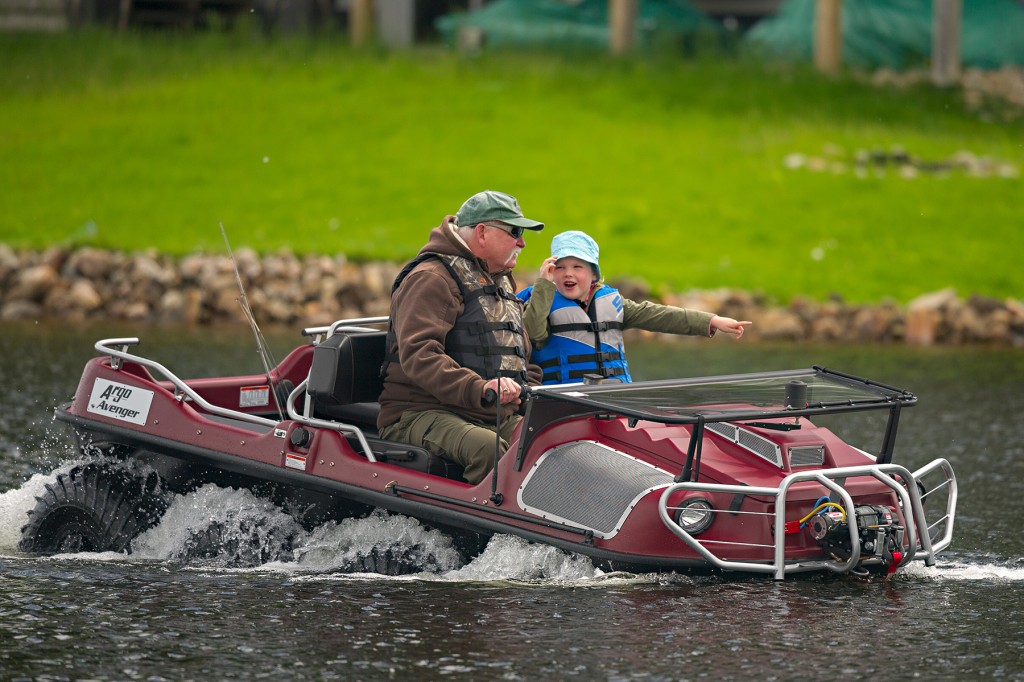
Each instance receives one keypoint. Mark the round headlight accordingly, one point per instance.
(695, 515)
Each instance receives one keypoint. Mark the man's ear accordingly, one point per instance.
(479, 231)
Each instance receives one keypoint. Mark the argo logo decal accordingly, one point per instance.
(119, 401)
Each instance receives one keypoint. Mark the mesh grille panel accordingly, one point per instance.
(759, 445)
(722, 429)
(807, 455)
(588, 484)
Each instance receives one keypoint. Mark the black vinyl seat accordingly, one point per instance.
(344, 379)
(345, 386)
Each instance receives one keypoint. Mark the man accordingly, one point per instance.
(456, 332)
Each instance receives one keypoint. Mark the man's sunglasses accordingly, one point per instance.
(514, 231)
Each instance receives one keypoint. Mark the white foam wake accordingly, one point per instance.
(224, 528)
(15, 505)
(227, 529)
(958, 570)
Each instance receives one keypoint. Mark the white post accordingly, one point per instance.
(396, 22)
(947, 20)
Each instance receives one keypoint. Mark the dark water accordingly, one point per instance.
(519, 611)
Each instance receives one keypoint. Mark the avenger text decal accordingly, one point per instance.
(118, 401)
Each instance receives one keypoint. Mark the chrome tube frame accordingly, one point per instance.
(308, 420)
(306, 416)
(118, 356)
(918, 533)
(116, 348)
(350, 325)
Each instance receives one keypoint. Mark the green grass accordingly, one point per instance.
(674, 165)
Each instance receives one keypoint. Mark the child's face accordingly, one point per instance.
(573, 278)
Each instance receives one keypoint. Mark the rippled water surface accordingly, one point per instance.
(518, 611)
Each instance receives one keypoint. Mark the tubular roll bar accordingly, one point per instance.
(308, 420)
(306, 416)
(352, 325)
(119, 355)
(116, 348)
(918, 532)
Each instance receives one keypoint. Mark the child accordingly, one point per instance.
(575, 321)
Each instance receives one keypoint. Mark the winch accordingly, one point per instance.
(877, 530)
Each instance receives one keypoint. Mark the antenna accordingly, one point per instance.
(261, 342)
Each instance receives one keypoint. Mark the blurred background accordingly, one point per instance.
(801, 152)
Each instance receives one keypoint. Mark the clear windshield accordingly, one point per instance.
(746, 396)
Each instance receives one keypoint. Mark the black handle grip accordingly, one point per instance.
(490, 395)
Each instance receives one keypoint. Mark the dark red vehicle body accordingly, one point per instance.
(728, 473)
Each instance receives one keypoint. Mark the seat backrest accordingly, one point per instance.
(346, 368)
(345, 384)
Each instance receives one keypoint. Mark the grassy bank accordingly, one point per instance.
(675, 166)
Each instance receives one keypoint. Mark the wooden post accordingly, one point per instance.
(622, 19)
(828, 36)
(360, 21)
(947, 20)
(124, 10)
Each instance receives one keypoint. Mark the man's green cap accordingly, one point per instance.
(490, 206)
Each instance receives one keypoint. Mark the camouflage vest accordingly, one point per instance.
(488, 336)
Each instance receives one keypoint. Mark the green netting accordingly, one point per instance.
(897, 33)
(573, 24)
(993, 33)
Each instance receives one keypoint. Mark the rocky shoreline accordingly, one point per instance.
(282, 288)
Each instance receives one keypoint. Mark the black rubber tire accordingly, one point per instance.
(98, 507)
(239, 544)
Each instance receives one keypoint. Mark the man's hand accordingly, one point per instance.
(504, 389)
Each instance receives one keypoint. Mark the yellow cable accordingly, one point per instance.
(821, 506)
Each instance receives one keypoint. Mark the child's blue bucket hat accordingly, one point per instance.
(578, 245)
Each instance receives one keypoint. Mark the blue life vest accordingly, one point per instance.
(583, 341)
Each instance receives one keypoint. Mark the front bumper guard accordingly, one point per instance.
(922, 541)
